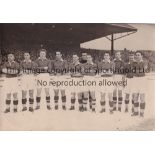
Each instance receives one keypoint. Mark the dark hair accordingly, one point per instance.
(139, 52)
(43, 50)
(117, 52)
(131, 53)
(27, 52)
(107, 53)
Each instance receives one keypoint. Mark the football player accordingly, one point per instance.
(129, 68)
(140, 85)
(43, 69)
(90, 70)
(27, 70)
(75, 71)
(11, 69)
(106, 70)
(83, 61)
(118, 76)
(60, 67)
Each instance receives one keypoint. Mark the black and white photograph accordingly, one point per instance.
(77, 77)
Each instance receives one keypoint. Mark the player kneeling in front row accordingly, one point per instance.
(106, 70)
(27, 70)
(140, 85)
(11, 69)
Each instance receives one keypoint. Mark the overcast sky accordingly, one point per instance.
(143, 39)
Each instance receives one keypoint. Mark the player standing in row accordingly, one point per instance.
(60, 67)
(27, 70)
(75, 72)
(106, 68)
(90, 70)
(140, 85)
(11, 69)
(83, 61)
(129, 68)
(43, 69)
(118, 76)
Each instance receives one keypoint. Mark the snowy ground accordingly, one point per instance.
(74, 120)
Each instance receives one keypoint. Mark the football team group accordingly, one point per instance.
(110, 68)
